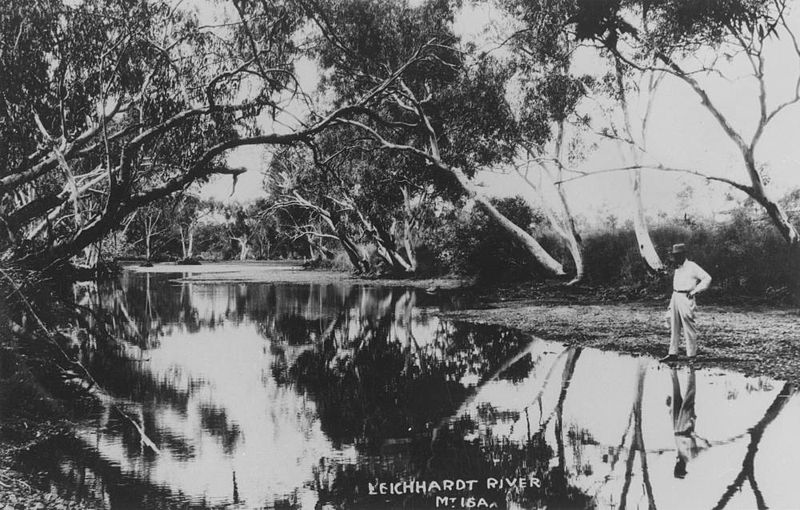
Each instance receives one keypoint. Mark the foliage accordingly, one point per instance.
(742, 256)
(467, 242)
(462, 94)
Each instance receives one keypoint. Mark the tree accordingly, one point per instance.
(150, 223)
(120, 105)
(240, 228)
(312, 203)
(186, 214)
(658, 37)
(357, 196)
(448, 111)
(550, 91)
(545, 47)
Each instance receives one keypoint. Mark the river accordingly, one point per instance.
(259, 395)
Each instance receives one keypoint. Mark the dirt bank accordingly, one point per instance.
(755, 340)
(287, 272)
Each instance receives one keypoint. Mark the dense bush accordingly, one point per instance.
(468, 242)
(744, 255)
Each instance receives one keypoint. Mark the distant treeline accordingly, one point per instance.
(743, 253)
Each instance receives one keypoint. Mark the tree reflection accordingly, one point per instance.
(453, 454)
(747, 472)
(637, 446)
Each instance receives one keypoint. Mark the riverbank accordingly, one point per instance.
(754, 335)
(751, 340)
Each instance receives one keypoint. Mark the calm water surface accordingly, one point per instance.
(309, 396)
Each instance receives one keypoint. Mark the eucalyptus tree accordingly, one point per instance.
(546, 45)
(188, 211)
(550, 92)
(448, 112)
(316, 206)
(241, 228)
(106, 106)
(684, 40)
(150, 224)
(357, 196)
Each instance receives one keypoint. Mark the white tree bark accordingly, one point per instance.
(635, 145)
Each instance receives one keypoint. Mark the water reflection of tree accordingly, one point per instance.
(637, 446)
(97, 480)
(372, 383)
(109, 328)
(375, 379)
(683, 403)
(747, 472)
(115, 325)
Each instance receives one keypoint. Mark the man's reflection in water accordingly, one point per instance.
(687, 442)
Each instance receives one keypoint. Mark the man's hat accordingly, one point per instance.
(678, 248)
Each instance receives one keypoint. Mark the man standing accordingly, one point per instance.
(688, 281)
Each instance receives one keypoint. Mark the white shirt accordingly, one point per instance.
(690, 276)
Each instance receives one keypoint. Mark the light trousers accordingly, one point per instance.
(681, 314)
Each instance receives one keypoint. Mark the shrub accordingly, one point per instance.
(469, 242)
(743, 255)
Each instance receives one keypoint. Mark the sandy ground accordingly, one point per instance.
(752, 340)
(286, 272)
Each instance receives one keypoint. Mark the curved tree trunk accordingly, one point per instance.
(433, 155)
(515, 232)
(573, 239)
(565, 227)
(386, 245)
(643, 240)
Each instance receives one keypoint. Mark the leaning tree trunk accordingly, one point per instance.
(573, 240)
(643, 240)
(570, 232)
(522, 237)
(357, 258)
(409, 227)
(514, 232)
(92, 255)
(386, 246)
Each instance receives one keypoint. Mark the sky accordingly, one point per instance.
(682, 133)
